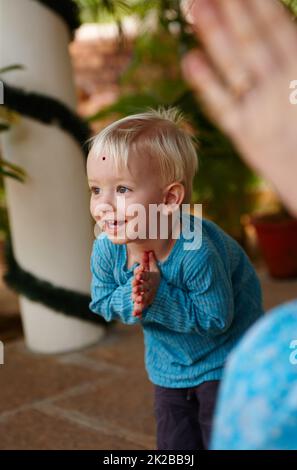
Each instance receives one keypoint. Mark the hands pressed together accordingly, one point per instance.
(242, 77)
(145, 283)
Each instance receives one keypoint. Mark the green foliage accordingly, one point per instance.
(4, 223)
(7, 119)
(9, 170)
(13, 171)
(292, 5)
(154, 67)
(153, 78)
(107, 10)
(102, 10)
(10, 68)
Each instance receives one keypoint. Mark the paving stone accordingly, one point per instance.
(125, 402)
(276, 292)
(122, 346)
(33, 429)
(101, 396)
(26, 377)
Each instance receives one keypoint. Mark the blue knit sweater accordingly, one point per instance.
(206, 300)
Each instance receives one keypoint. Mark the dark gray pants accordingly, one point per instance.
(184, 416)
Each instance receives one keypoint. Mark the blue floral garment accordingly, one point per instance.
(257, 405)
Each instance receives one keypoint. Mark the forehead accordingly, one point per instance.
(101, 163)
(138, 167)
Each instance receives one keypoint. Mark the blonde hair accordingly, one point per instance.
(159, 133)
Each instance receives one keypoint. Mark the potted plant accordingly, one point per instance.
(277, 237)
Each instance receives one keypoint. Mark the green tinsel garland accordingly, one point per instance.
(62, 300)
(67, 9)
(47, 110)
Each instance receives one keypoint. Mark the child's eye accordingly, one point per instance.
(120, 188)
(95, 190)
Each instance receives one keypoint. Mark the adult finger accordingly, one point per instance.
(208, 22)
(257, 53)
(215, 97)
(277, 26)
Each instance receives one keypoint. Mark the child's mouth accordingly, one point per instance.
(114, 224)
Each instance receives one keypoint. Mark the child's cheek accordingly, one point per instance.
(92, 207)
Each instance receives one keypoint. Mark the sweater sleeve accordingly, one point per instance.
(110, 300)
(204, 305)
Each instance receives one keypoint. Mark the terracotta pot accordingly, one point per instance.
(277, 236)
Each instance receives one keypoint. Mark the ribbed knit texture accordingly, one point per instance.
(207, 299)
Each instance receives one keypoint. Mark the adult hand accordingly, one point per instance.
(243, 79)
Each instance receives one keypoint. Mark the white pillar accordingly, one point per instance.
(52, 231)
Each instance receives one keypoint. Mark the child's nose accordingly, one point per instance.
(104, 207)
(109, 198)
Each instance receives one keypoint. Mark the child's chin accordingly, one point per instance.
(118, 240)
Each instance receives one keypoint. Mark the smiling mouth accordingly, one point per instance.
(110, 224)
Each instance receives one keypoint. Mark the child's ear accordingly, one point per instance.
(173, 197)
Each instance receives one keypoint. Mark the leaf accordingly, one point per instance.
(292, 5)
(103, 11)
(9, 116)
(4, 127)
(11, 175)
(13, 171)
(9, 68)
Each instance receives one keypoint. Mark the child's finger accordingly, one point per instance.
(145, 260)
(142, 276)
(140, 299)
(138, 269)
(137, 296)
(141, 288)
(137, 282)
(137, 310)
(136, 313)
(153, 262)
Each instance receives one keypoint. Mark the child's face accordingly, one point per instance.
(113, 193)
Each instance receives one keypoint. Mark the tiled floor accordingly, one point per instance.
(99, 398)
